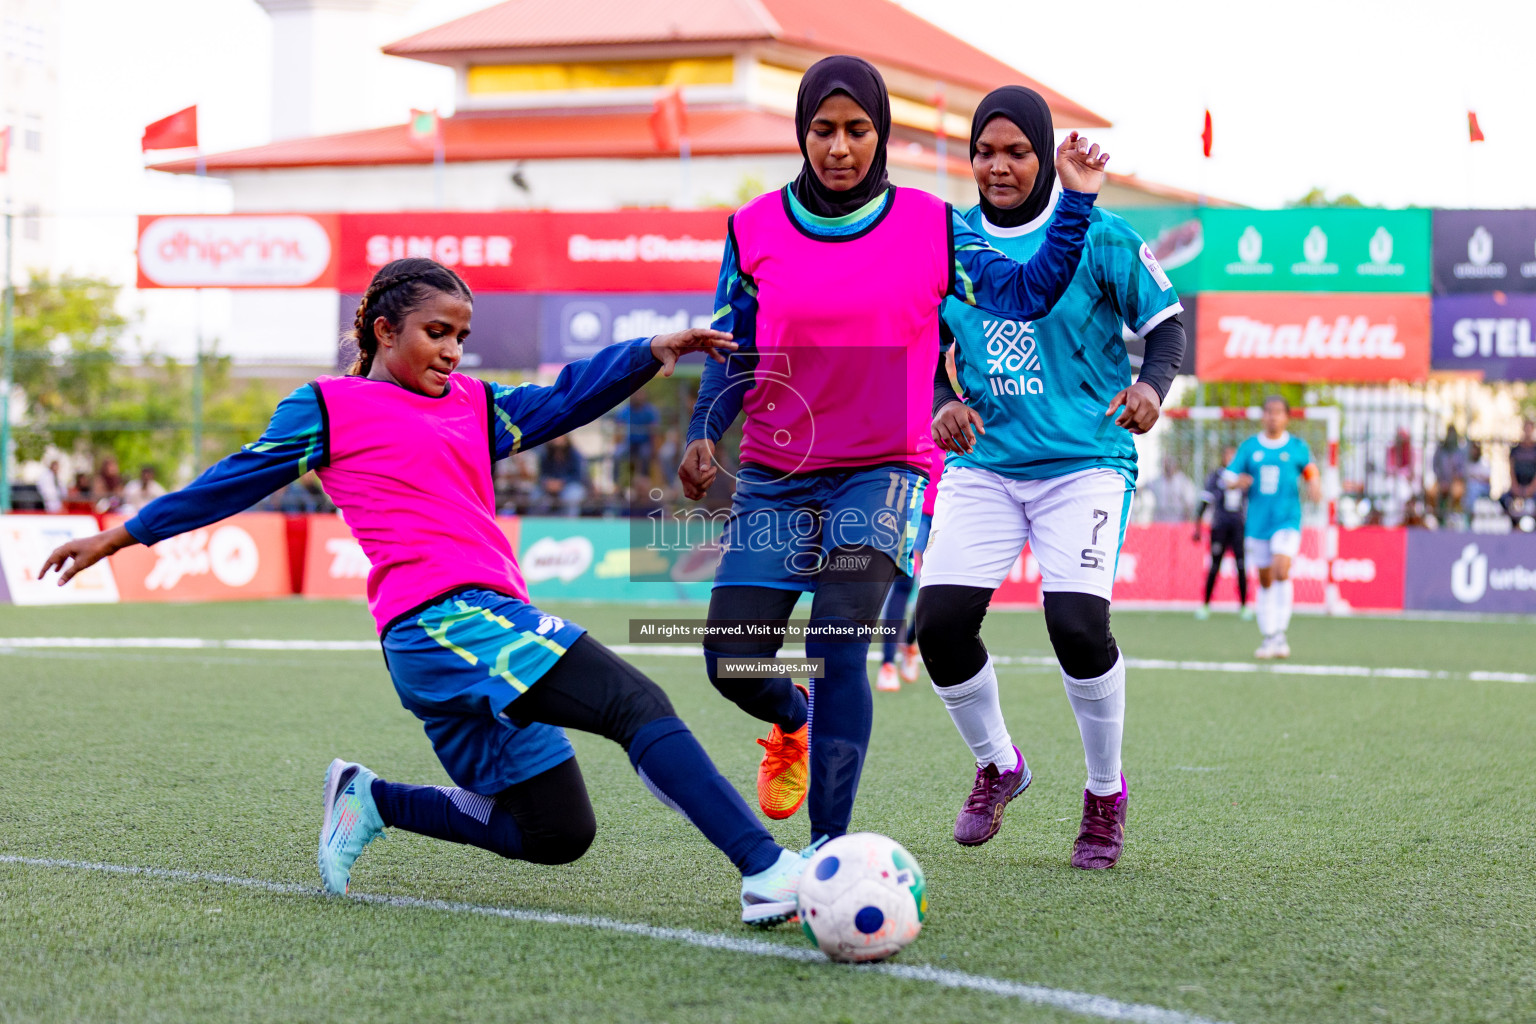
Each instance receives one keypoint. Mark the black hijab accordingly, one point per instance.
(861, 82)
(1027, 109)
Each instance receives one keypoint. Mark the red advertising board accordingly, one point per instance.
(1160, 564)
(1305, 337)
(239, 559)
(334, 563)
(540, 251)
(247, 250)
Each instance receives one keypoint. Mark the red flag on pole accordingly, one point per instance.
(1473, 130)
(1205, 136)
(179, 131)
(426, 128)
(5, 149)
(669, 120)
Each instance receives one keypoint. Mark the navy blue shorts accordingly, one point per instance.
(458, 664)
(782, 529)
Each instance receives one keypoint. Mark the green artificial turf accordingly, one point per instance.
(1306, 849)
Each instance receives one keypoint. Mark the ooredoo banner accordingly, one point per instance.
(256, 250)
(621, 250)
(334, 563)
(238, 559)
(1304, 338)
(1306, 250)
(1485, 251)
(1468, 572)
(25, 544)
(1488, 333)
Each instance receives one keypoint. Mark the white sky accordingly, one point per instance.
(1365, 96)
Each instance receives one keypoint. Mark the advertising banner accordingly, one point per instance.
(602, 559)
(1160, 564)
(25, 544)
(334, 563)
(504, 331)
(1304, 338)
(1484, 251)
(1307, 250)
(255, 250)
(1176, 238)
(241, 558)
(1489, 333)
(575, 325)
(540, 251)
(1469, 572)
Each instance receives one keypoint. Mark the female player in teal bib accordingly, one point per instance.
(1036, 455)
(832, 286)
(405, 445)
(1271, 467)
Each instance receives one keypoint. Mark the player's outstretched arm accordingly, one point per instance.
(75, 556)
(669, 348)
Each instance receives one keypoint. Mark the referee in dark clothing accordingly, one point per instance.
(1227, 509)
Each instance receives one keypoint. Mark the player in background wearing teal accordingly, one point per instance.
(1037, 454)
(1270, 466)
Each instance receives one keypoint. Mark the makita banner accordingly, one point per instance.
(1305, 250)
(1305, 338)
(575, 325)
(1490, 334)
(539, 251)
(1485, 251)
(247, 250)
(1471, 572)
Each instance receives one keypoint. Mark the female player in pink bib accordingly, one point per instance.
(404, 445)
(832, 287)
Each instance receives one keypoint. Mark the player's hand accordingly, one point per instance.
(698, 470)
(1314, 490)
(668, 348)
(1242, 482)
(73, 556)
(1079, 164)
(952, 428)
(1142, 408)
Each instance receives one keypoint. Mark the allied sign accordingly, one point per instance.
(269, 250)
(575, 325)
(1490, 333)
(1485, 251)
(1306, 338)
(1175, 237)
(1322, 250)
(1471, 572)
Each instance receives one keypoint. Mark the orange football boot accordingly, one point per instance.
(783, 779)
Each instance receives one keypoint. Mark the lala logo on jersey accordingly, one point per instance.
(1013, 357)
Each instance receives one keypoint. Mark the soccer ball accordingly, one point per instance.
(862, 897)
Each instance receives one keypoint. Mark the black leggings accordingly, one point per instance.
(1226, 539)
(592, 690)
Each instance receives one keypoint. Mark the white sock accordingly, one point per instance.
(976, 712)
(1099, 705)
(1285, 599)
(1264, 609)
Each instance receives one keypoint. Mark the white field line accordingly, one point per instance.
(1281, 668)
(1083, 1003)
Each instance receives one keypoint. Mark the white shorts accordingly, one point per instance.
(1261, 553)
(1074, 524)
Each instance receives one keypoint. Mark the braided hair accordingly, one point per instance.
(395, 291)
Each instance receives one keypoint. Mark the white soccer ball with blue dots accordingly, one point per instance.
(862, 898)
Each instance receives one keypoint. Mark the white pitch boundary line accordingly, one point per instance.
(1083, 1003)
(1282, 668)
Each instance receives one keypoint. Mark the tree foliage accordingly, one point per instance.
(1318, 198)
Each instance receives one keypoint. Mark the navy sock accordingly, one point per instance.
(675, 768)
(778, 701)
(456, 815)
(842, 715)
(895, 613)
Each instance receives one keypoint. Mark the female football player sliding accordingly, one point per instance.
(832, 287)
(404, 445)
(1037, 455)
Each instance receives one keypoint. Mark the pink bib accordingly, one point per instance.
(847, 335)
(412, 476)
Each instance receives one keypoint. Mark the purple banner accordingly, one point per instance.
(1484, 251)
(1491, 333)
(575, 325)
(1471, 572)
(504, 331)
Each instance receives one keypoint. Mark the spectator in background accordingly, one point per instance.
(1173, 495)
(50, 487)
(1402, 467)
(1449, 464)
(1520, 500)
(107, 488)
(141, 490)
(1479, 475)
(635, 439)
(562, 478)
(78, 498)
